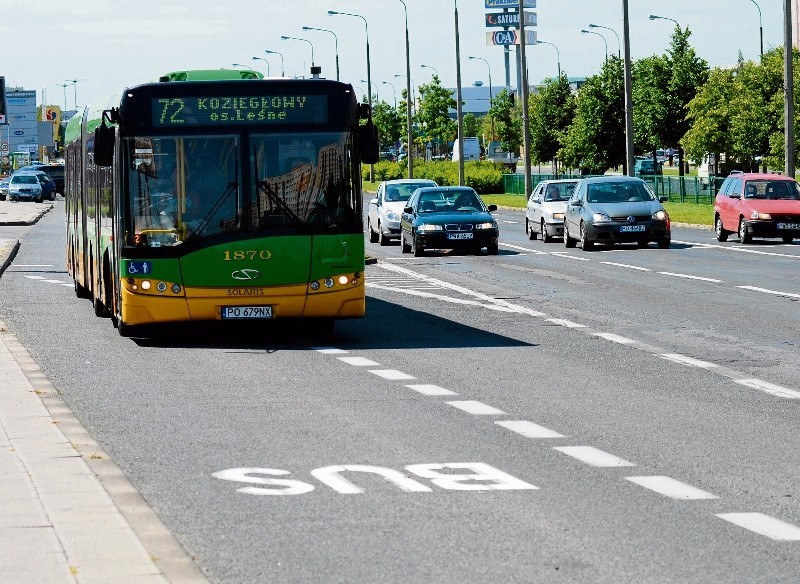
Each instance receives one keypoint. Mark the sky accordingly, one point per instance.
(111, 44)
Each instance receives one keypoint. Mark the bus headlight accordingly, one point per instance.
(315, 285)
(146, 284)
(329, 282)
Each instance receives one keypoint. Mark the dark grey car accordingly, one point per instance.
(615, 209)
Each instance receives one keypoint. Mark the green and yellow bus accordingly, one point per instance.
(219, 195)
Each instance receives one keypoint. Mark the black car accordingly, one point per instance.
(615, 209)
(54, 171)
(447, 218)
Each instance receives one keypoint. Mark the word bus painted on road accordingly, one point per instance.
(217, 180)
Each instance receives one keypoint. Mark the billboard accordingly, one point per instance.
(510, 37)
(21, 116)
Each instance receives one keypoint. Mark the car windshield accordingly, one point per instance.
(559, 191)
(26, 179)
(402, 191)
(448, 201)
(772, 189)
(618, 192)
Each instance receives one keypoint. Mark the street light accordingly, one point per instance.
(558, 53)
(335, 42)
(310, 44)
(413, 92)
(394, 92)
(760, 27)
(654, 17)
(619, 44)
(605, 42)
(459, 106)
(377, 93)
(74, 83)
(369, 73)
(409, 149)
(241, 65)
(268, 52)
(435, 72)
(267, 62)
(491, 97)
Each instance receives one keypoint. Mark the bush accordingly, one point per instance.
(482, 175)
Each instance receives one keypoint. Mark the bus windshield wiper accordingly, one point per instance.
(275, 199)
(231, 188)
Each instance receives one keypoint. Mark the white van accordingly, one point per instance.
(472, 149)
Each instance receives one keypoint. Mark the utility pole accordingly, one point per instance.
(523, 67)
(629, 162)
(788, 84)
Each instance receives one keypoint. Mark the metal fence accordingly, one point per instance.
(679, 189)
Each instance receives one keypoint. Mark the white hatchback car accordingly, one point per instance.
(383, 218)
(546, 208)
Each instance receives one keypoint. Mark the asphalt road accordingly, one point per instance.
(544, 415)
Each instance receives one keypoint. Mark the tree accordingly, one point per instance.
(551, 112)
(435, 104)
(507, 121)
(472, 125)
(389, 123)
(651, 102)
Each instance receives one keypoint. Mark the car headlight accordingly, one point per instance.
(392, 216)
(660, 215)
(558, 216)
(600, 218)
(487, 225)
(428, 227)
(762, 216)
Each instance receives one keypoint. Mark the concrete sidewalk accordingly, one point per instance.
(67, 512)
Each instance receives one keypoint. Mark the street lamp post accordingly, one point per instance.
(310, 44)
(377, 93)
(605, 42)
(760, 27)
(74, 83)
(410, 137)
(267, 62)
(558, 53)
(65, 85)
(654, 17)
(241, 65)
(268, 52)
(619, 44)
(335, 44)
(491, 97)
(788, 86)
(459, 112)
(435, 72)
(369, 73)
(394, 92)
(626, 35)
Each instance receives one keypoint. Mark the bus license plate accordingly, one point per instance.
(229, 312)
(631, 228)
(459, 236)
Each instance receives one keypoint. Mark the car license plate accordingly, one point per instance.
(631, 228)
(459, 236)
(229, 312)
(788, 225)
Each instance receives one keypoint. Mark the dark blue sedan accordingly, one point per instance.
(447, 218)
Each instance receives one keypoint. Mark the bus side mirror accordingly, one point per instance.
(104, 145)
(368, 139)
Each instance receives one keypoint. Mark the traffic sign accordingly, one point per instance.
(509, 37)
(509, 19)
(4, 147)
(509, 4)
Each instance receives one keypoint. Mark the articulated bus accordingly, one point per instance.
(213, 196)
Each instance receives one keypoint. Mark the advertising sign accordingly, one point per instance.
(510, 37)
(509, 4)
(509, 19)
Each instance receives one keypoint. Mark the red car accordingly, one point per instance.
(757, 205)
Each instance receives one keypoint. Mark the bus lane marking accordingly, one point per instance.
(427, 389)
(391, 374)
(593, 456)
(764, 525)
(359, 361)
(671, 488)
(529, 429)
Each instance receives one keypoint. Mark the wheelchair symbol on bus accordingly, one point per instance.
(139, 268)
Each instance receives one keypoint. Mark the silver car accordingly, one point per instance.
(383, 218)
(546, 208)
(4, 187)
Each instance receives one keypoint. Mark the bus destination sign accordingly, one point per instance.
(219, 110)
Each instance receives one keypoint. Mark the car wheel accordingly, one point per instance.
(382, 239)
(493, 248)
(642, 243)
(417, 250)
(529, 230)
(568, 241)
(404, 247)
(744, 235)
(787, 238)
(722, 234)
(586, 245)
(664, 243)
(545, 236)
(373, 237)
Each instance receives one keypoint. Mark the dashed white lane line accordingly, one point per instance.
(35, 277)
(690, 277)
(566, 323)
(671, 488)
(525, 249)
(628, 266)
(572, 257)
(690, 361)
(428, 389)
(476, 408)
(593, 456)
(615, 338)
(529, 429)
(421, 294)
(764, 525)
(391, 374)
(359, 361)
(738, 249)
(769, 388)
(329, 350)
(774, 292)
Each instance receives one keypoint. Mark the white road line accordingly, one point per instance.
(328, 350)
(529, 429)
(35, 277)
(426, 389)
(67, 284)
(615, 338)
(358, 361)
(593, 456)
(671, 488)
(626, 266)
(563, 255)
(475, 407)
(54, 281)
(690, 361)
(33, 265)
(765, 291)
(690, 277)
(421, 294)
(764, 525)
(391, 374)
(566, 323)
(739, 249)
(770, 388)
(527, 249)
